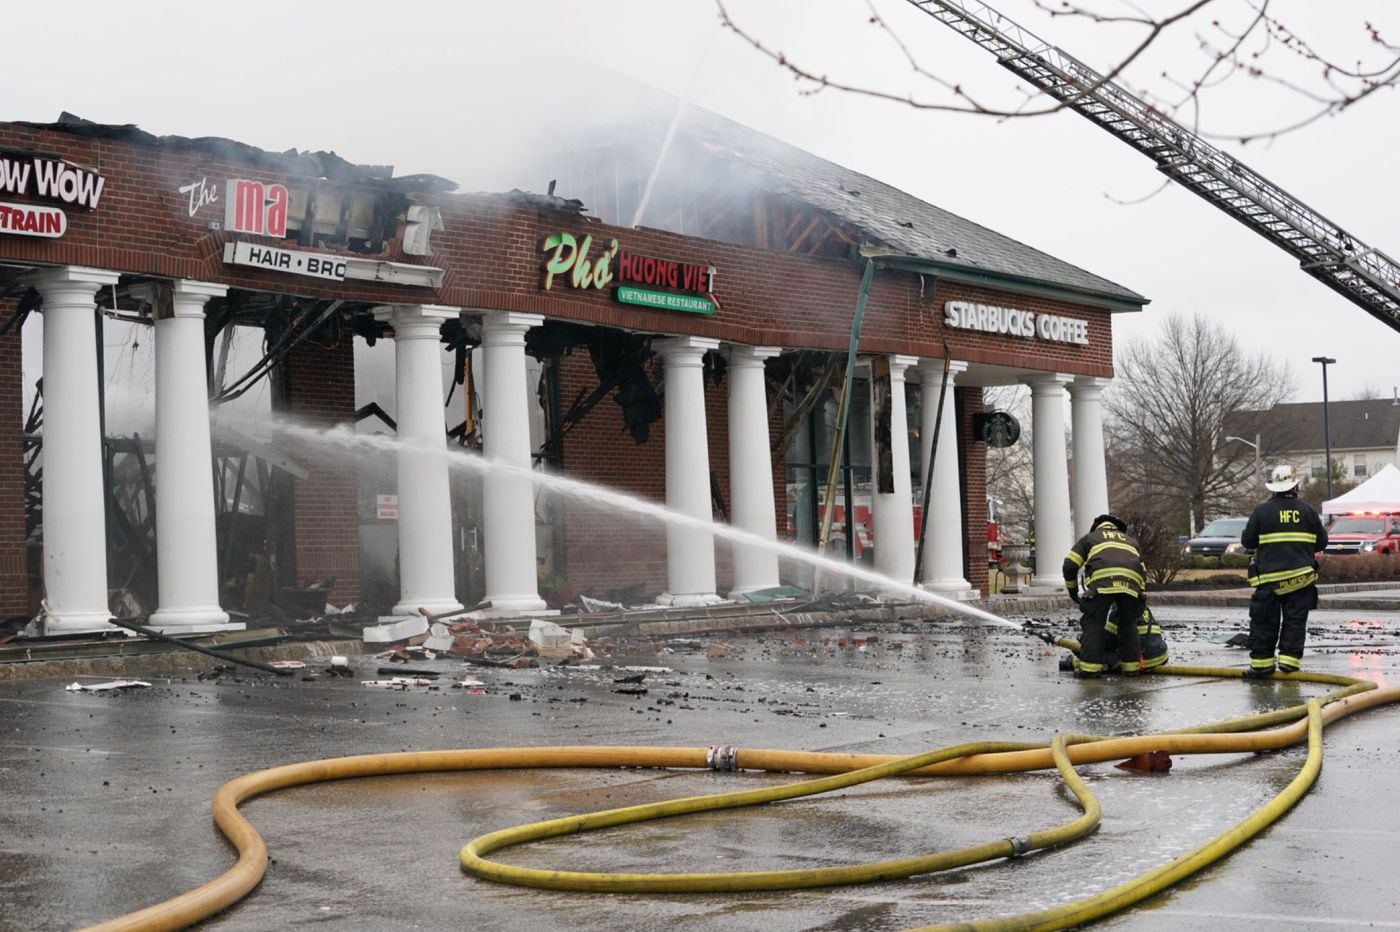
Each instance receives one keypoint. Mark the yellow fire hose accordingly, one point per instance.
(1236, 735)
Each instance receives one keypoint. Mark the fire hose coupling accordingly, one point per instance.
(722, 757)
(1019, 846)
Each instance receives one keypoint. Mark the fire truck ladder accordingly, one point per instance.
(1340, 261)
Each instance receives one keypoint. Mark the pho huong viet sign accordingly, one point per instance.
(643, 281)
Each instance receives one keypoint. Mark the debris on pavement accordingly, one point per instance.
(775, 593)
(398, 682)
(288, 664)
(406, 652)
(439, 638)
(1150, 762)
(391, 631)
(555, 642)
(600, 605)
(110, 684)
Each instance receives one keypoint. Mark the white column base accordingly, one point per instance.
(958, 590)
(737, 595)
(176, 630)
(518, 605)
(690, 600)
(201, 618)
(433, 606)
(504, 611)
(76, 623)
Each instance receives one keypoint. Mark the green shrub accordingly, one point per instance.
(1359, 567)
(1229, 561)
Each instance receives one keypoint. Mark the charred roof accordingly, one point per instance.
(326, 165)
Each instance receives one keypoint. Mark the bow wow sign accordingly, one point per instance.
(643, 281)
(54, 179)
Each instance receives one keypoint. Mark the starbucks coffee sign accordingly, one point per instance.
(988, 318)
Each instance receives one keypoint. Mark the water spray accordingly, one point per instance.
(478, 464)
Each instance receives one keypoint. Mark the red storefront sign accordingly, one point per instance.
(29, 220)
(254, 207)
(663, 273)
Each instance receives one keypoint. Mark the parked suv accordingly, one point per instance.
(1364, 533)
(1218, 538)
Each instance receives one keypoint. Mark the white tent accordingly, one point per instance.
(1381, 492)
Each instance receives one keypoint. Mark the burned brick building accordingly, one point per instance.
(671, 324)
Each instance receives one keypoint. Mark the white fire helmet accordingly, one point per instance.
(1282, 479)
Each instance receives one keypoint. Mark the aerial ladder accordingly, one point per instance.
(1361, 273)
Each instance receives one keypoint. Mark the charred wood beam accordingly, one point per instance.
(797, 421)
(373, 410)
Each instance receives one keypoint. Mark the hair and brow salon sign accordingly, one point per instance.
(643, 281)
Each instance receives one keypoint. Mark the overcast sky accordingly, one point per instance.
(428, 86)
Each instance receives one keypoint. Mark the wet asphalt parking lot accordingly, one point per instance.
(106, 794)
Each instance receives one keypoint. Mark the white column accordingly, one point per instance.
(690, 552)
(75, 527)
(751, 468)
(508, 501)
(1054, 533)
(426, 579)
(187, 560)
(1090, 470)
(892, 513)
(944, 544)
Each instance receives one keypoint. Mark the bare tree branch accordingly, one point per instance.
(1252, 50)
(1176, 399)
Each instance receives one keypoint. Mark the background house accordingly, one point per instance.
(1365, 438)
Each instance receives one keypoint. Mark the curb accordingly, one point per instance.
(175, 662)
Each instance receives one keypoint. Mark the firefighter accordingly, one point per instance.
(1152, 646)
(1285, 534)
(1108, 560)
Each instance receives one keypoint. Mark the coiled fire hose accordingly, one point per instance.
(1236, 735)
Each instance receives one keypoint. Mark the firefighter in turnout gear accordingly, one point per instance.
(1151, 645)
(1108, 561)
(1285, 534)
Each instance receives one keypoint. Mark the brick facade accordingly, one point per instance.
(606, 552)
(972, 467)
(489, 248)
(14, 564)
(320, 393)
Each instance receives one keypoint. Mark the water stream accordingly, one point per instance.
(346, 438)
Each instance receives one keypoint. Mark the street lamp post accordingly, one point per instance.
(1326, 424)
(1255, 445)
